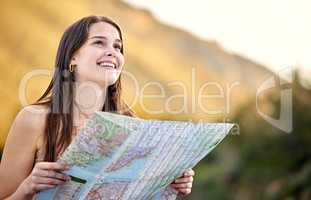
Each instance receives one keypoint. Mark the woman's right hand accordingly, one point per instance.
(45, 175)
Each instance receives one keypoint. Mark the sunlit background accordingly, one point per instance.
(225, 50)
(274, 33)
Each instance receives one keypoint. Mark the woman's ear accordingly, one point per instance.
(73, 61)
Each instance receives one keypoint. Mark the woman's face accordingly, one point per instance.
(99, 60)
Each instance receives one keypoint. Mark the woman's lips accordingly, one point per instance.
(108, 64)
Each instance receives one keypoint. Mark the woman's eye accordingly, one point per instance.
(117, 46)
(99, 42)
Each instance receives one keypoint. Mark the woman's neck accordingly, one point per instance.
(88, 98)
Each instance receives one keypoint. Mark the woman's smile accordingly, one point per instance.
(107, 64)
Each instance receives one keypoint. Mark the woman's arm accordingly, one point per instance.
(19, 179)
(18, 154)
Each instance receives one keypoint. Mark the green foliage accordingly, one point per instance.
(267, 163)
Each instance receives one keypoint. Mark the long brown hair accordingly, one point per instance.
(59, 95)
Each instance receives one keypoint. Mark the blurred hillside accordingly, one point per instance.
(154, 53)
(260, 163)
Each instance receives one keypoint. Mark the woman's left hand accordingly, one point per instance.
(183, 184)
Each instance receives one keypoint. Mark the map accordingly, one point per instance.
(116, 157)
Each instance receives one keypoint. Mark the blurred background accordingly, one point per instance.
(212, 61)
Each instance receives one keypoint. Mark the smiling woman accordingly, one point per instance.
(87, 78)
(94, 65)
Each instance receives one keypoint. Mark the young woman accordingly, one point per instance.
(86, 79)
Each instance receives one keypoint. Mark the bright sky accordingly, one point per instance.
(276, 33)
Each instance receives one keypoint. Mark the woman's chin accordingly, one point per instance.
(107, 82)
(100, 79)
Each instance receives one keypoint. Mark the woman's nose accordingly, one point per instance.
(108, 53)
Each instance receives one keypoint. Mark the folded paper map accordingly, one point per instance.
(116, 157)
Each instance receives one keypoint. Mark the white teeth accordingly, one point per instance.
(107, 64)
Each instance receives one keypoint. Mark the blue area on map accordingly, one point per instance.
(129, 172)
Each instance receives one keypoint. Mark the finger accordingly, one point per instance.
(40, 187)
(184, 180)
(185, 191)
(182, 185)
(52, 174)
(48, 181)
(53, 166)
(189, 172)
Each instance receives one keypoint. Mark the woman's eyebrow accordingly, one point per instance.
(103, 37)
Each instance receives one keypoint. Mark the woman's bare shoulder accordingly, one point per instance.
(21, 146)
(27, 128)
(36, 109)
(32, 118)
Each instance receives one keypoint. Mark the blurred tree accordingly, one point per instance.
(268, 163)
